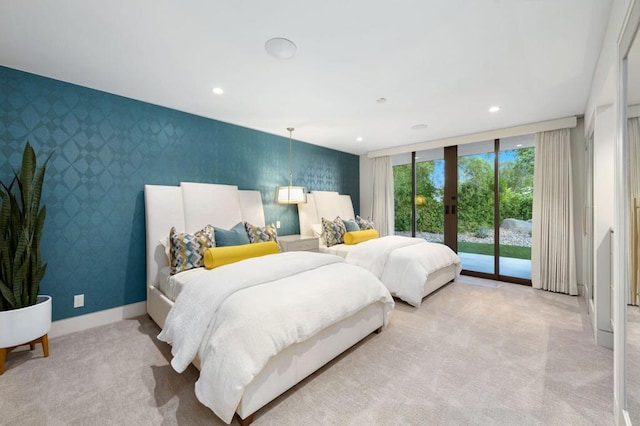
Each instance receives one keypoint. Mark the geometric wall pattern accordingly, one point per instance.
(105, 148)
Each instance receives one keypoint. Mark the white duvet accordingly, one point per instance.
(238, 316)
(403, 264)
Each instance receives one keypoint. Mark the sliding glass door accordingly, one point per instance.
(476, 206)
(516, 157)
(425, 218)
(476, 198)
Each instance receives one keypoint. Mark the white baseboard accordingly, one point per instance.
(604, 338)
(96, 319)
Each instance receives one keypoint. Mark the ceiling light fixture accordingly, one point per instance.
(495, 108)
(519, 145)
(419, 126)
(290, 194)
(381, 100)
(359, 139)
(281, 48)
(217, 91)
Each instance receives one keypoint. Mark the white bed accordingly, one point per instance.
(191, 206)
(410, 273)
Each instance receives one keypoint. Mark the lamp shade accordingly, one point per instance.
(290, 195)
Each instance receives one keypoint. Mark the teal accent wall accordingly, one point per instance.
(106, 148)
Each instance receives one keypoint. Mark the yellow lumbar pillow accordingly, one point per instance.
(355, 237)
(218, 256)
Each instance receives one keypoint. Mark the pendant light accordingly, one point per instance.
(290, 194)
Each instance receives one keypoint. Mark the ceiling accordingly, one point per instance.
(437, 63)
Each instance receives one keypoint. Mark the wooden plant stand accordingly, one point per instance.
(44, 340)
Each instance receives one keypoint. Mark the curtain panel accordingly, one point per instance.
(553, 264)
(382, 208)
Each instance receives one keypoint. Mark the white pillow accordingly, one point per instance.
(167, 246)
(316, 228)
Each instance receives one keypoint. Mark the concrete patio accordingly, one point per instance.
(519, 268)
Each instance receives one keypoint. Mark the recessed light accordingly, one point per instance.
(519, 145)
(359, 139)
(381, 100)
(417, 158)
(419, 126)
(494, 108)
(280, 48)
(217, 91)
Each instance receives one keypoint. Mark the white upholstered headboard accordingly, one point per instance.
(189, 207)
(327, 204)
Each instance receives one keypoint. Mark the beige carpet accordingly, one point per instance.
(471, 355)
(633, 363)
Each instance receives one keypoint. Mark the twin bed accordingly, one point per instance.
(410, 268)
(257, 327)
(242, 374)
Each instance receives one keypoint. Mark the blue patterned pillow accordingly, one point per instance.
(351, 225)
(261, 234)
(364, 223)
(235, 236)
(333, 232)
(187, 250)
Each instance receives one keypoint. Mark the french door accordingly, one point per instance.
(477, 199)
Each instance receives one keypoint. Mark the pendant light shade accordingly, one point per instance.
(290, 194)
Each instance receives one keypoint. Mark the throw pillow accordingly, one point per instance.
(364, 223)
(261, 234)
(333, 232)
(219, 256)
(357, 237)
(187, 250)
(351, 225)
(235, 236)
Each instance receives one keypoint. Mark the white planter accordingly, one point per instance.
(21, 326)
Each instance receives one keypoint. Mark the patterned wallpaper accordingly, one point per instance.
(105, 148)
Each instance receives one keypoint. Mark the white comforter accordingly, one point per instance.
(238, 316)
(403, 264)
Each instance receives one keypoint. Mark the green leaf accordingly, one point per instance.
(21, 226)
(26, 174)
(7, 294)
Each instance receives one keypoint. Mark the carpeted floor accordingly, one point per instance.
(633, 363)
(471, 355)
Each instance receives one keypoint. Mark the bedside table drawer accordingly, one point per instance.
(295, 243)
(309, 244)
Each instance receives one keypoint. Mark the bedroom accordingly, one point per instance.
(116, 123)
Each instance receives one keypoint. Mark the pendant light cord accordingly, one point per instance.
(290, 129)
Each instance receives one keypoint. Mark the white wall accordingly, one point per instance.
(603, 92)
(603, 219)
(603, 84)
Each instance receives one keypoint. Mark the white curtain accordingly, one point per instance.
(633, 132)
(382, 207)
(553, 263)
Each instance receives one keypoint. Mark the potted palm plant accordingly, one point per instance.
(25, 316)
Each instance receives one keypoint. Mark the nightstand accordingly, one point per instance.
(299, 243)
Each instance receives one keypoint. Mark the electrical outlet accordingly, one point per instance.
(78, 301)
(278, 224)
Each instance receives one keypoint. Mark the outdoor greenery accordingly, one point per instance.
(21, 223)
(516, 252)
(475, 192)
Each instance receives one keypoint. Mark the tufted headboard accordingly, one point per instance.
(189, 207)
(327, 204)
